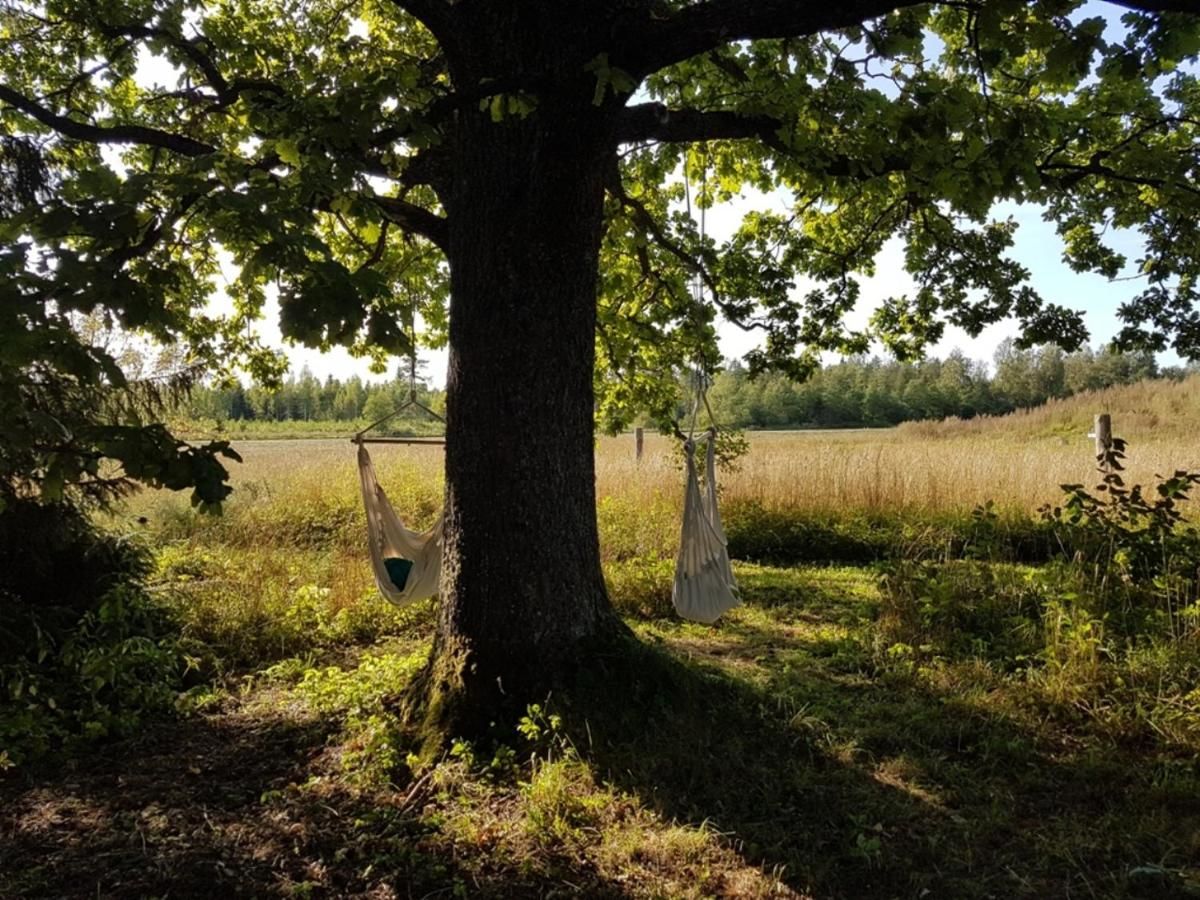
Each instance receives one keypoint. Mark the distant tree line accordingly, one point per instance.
(306, 398)
(875, 392)
(855, 392)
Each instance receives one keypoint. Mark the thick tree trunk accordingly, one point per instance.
(522, 590)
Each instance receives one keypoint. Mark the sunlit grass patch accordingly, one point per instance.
(255, 605)
(786, 614)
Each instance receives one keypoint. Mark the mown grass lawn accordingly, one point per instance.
(786, 751)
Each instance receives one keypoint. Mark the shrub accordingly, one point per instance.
(785, 536)
(960, 608)
(87, 652)
(1110, 628)
(641, 586)
(1139, 559)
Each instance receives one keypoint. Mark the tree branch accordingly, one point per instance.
(156, 230)
(651, 227)
(193, 49)
(654, 42)
(414, 218)
(1158, 6)
(1077, 172)
(436, 15)
(655, 122)
(659, 42)
(429, 167)
(400, 212)
(112, 134)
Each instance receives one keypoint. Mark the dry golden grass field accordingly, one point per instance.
(932, 468)
(1018, 460)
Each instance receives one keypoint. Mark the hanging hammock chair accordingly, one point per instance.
(704, 585)
(407, 564)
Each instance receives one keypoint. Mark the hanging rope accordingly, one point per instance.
(411, 403)
(412, 355)
(702, 369)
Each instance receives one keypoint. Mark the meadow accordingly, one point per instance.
(923, 695)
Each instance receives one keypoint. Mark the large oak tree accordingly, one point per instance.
(518, 172)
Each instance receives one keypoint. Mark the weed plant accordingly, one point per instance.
(1109, 629)
(85, 650)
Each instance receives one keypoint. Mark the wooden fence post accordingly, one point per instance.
(638, 443)
(1102, 432)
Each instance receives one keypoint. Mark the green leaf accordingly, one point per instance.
(52, 485)
(289, 152)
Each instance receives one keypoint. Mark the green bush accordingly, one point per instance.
(86, 651)
(1110, 628)
(960, 608)
(54, 567)
(1136, 561)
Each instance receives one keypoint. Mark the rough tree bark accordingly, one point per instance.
(522, 589)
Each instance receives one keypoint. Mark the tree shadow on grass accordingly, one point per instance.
(831, 594)
(165, 812)
(847, 782)
(851, 787)
(238, 805)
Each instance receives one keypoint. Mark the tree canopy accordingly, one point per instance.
(154, 153)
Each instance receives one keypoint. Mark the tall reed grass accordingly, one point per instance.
(306, 492)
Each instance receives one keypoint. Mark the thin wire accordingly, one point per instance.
(412, 354)
(699, 371)
(412, 387)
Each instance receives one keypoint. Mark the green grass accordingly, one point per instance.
(937, 713)
(786, 750)
(254, 606)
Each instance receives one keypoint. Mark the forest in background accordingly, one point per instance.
(856, 392)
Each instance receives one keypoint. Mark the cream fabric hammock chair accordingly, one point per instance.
(704, 585)
(407, 564)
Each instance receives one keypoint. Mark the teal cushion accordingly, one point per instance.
(398, 569)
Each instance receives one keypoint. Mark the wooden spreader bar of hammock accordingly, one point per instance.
(411, 402)
(397, 440)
